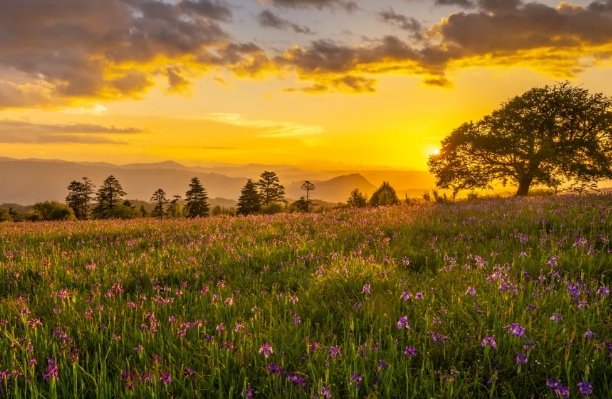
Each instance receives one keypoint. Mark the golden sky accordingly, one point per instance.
(318, 83)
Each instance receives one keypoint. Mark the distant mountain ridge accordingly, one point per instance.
(31, 180)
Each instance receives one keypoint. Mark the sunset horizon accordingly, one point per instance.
(321, 84)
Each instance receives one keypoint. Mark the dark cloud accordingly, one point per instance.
(69, 49)
(349, 6)
(15, 132)
(216, 10)
(268, 19)
(177, 83)
(460, 3)
(409, 24)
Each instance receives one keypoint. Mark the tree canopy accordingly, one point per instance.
(160, 201)
(357, 199)
(547, 136)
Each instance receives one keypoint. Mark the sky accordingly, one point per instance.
(324, 84)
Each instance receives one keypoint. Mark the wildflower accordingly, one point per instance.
(586, 388)
(489, 341)
(516, 330)
(603, 291)
(405, 296)
(188, 372)
(589, 334)
(248, 393)
(560, 390)
(297, 320)
(403, 323)
(274, 368)
(266, 349)
(410, 351)
(139, 348)
(471, 291)
(167, 378)
(528, 345)
(356, 378)
(325, 393)
(52, 370)
(357, 305)
(366, 289)
(521, 358)
(556, 317)
(220, 327)
(334, 351)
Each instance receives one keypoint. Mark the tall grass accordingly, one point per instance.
(503, 298)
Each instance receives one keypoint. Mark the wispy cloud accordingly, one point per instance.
(15, 131)
(270, 128)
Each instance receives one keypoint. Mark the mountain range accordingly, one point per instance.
(27, 181)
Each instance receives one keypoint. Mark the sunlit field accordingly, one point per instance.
(499, 298)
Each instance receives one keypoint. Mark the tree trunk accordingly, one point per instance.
(523, 188)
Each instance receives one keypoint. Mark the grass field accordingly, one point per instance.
(501, 298)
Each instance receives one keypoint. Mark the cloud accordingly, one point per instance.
(409, 24)
(344, 84)
(20, 132)
(96, 110)
(349, 6)
(270, 128)
(55, 53)
(268, 19)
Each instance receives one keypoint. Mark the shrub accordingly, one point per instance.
(52, 210)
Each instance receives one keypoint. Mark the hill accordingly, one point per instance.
(333, 190)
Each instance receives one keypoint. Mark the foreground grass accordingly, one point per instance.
(500, 298)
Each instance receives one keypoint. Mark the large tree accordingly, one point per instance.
(109, 196)
(160, 201)
(270, 188)
(250, 200)
(547, 136)
(197, 200)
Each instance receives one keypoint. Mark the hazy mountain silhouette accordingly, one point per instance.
(28, 181)
(333, 190)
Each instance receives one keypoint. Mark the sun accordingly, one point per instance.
(435, 152)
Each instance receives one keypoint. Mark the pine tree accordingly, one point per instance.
(160, 200)
(108, 196)
(197, 200)
(250, 200)
(270, 188)
(143, 211)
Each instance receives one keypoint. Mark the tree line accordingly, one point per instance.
(266, 196)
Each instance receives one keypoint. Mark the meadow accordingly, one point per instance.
(490, 298)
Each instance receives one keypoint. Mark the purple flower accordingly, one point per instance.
(471, 291)
(356, 378)
(167, 378)
(266, 349)
(556, 317)
(589, 334)
(418, 295)
(410, 352)
(334, 351)
(603, 291)
(366, 289)
(521, 358)
(52, 369)
(325, 393)
(248, 393)
(586, 388)
(405, 296)
(489, 341)
(403, 323)
(516, 330)
(560, 390)
(274, 368)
